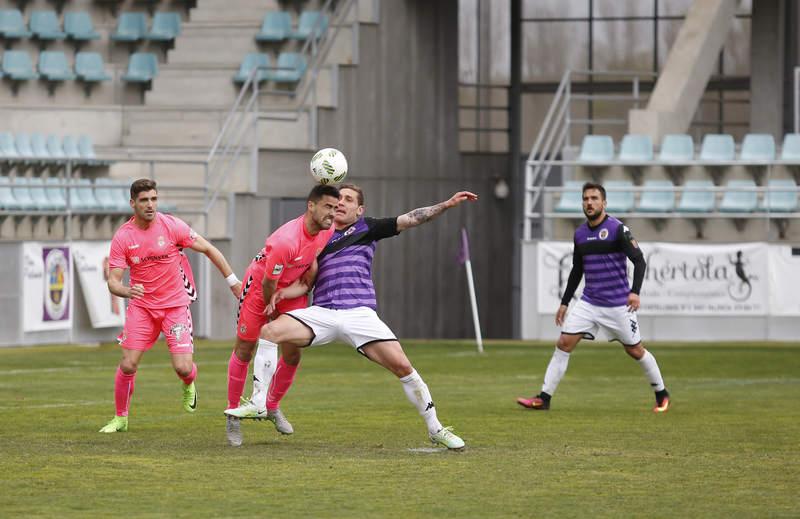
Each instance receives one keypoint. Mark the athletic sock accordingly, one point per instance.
(188, 379)
(264, 366)
(555, 371)
(123, 391)
(281, 382)
(237, 375)
(420, 397)
(651, 371)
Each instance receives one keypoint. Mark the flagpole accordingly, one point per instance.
(471, 286)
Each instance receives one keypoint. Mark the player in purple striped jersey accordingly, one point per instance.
(345, 302)
(603, 246)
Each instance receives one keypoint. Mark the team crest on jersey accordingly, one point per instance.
(135, 260)
(177, 330)
(161, 241)
(277, 270)
(349, 231)
(603, 234)
(243, 329)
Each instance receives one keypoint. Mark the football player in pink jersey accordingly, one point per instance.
(288, 254)
(150, 244)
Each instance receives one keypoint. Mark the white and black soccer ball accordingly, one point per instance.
(329, 166)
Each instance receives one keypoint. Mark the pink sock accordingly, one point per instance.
(123, 391)
(281, 382)
(237, 376)
(188, 379)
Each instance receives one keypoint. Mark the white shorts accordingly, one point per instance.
(355, 326)
(617, 322)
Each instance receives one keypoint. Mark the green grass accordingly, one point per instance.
(728, 447)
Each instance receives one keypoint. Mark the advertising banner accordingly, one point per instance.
(47, 287)
(91, 263)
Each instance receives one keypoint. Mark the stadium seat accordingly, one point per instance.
(53, 66)
(45, 26)
(7, 200)
(39, 195)
(277, 26)
(758, 147)
(12, 25)
(781, 197)
(111, 195)
(735, 201)
(718, 148)
(24, 148)
(677, 147)
(79, 27)
(55, 194)
(82, 197)
(142, 68)
(308, 22)
(18, 66)
(290, 68)
(130, 27)
(597, 149)
(89, 67)
(657, 201)
(165, 27)
(86, 149)
(253, 60)
(571, 200)
(70, 147)
(636, 148)
(54, 148)
(8, 150)
(790, 151)
(39, 146)
(619, 200)
(697, 197)
(23, 195)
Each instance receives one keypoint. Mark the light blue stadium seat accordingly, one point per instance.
(734, 201)
(24, 147)
(597, 149)
(124, 193)
(55, 194)
(253, 60)
(718, 148)
(23, 194)
(54, 147)
(571, 200)
(53, 66)
(86, 149)
(697, 197)
(142, 68)
(781, 197)
(45, 26)
(7, 200)
(636, 148)
(111, 194)
(790, 151)
(12, 25)
(290, 68)
(130, 27)
(307, 24)
(8, 149)
(89, 67)
(82, 197)
(619, 199)
(758, 147)
(657, 201)
(677, 147)
(276, 26)
(70, 147)
(17, 65)
(39, 146)
(39, 194)
(79, 27)
(166, 27)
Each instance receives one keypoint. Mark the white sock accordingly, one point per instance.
(555, 371)
(651, 371)
(263, 368)
(418, 394)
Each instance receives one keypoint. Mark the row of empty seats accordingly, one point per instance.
(277, 26)
(46, 26)
(23, 194)
(36, 148)
(694, 197)
(89, 67)
(756, 148)
(289, 69)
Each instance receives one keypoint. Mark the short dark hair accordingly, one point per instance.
(355, 188)
(321, 190)
(142, 185)
(593, 185)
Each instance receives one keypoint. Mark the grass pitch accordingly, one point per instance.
(728, 447)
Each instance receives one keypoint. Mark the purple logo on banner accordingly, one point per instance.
(56, 283)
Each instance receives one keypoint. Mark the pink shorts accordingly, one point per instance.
(143, 326)
(251, 316)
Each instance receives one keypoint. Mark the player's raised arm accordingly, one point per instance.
(202, 245)
(424, 214)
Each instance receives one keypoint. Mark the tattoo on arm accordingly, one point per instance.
(424, 214)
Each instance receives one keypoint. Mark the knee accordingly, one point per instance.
(269, 332)
(566, 343)
(244, 350)
(400, 367)
(128, 366)
(183, 369)
(291, 356)
(636, 352)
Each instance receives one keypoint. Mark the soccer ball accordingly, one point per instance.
(329, 166)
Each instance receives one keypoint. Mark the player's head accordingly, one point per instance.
(144, 199)
(594, 200)
(321, 205)
(351, 205)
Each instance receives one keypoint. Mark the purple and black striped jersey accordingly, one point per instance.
(344, 279)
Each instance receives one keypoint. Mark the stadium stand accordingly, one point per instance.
(131, 27)
(79, 27)
(276, 26)
(658, 197)
(166, 26)
(142, 68)
(636, 149)
(597, 149)
(44, 26)
(310, 22)
(12, 25)
(252, 61)
(676, 149)
(290, 68)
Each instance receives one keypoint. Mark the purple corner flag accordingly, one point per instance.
(463, 254)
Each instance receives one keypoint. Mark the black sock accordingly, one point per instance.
(545, 397)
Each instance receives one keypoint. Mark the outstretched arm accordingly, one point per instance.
(212, 253)
(424, 214)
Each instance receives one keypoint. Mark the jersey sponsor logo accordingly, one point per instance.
(161, 241)
(277, 270)
(603, 234)
(134, 246)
